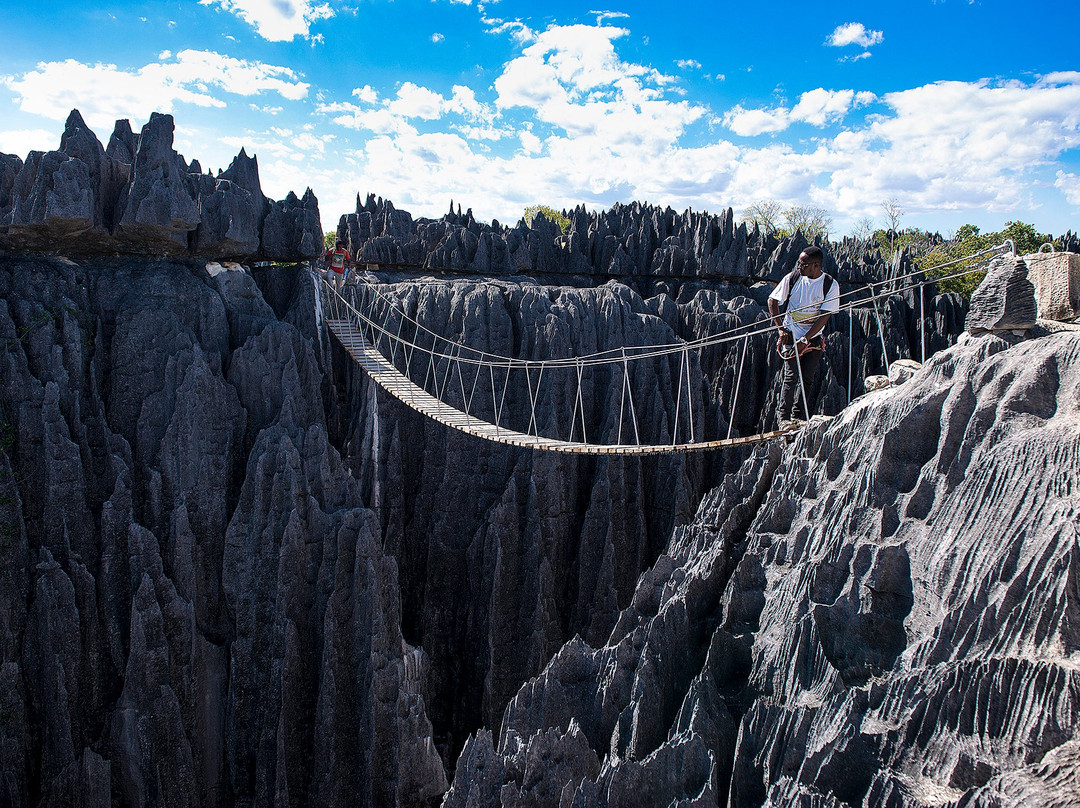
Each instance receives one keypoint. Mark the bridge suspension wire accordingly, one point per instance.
(857, 295)
(363, 325)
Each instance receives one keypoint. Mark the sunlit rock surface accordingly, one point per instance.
(883, 612)
(139, 196)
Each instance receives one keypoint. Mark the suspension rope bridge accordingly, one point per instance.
(487, 395)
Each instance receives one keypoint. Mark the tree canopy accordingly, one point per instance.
(812, 220)
(968, 240)
(548, 213)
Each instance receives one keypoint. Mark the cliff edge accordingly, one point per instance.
(885, 612)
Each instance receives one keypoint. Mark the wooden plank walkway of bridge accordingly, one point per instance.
(401, 387)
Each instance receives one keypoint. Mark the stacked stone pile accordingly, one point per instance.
(1005, 300)
(139, 196)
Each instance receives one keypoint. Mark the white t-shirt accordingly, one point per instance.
(807, 302)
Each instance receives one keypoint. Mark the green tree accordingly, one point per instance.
(329, 239)
(969, 239)
(812, 220)
(548, 213)
(764, 214)
(1025, 237)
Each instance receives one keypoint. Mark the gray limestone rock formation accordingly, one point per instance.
(233, 572)
(292, 230)
(195, 605)
(1056, 277)
(639, 244)
(138, 196)
(883, 613)
(1005, 300)
(160, 210)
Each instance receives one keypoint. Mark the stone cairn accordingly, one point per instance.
(1005, 300)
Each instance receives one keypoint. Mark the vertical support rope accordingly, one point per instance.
(382, 329)
(678, 401)
(881, 334)
(922, 326)
(622, 398)
(449, 373)
(396, 342)
(494, 404)
(502, 399)
(430, 367)
(690, 391)
(802, 384)
(738, 381)
(472, 392)
(461, 382)
(532, 399)
(850, 332)
(630, 390)
(532, 404)
(581, 407)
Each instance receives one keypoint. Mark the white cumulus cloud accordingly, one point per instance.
(854, 33)
(23, 141)
(1069, 185)
(817, 107)
(104, 92)
(276, 20)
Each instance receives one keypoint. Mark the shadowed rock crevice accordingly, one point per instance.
(195, 608)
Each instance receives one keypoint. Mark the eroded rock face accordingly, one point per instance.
(138, 196)
(195, 605)
(237, 574)
(883, 612)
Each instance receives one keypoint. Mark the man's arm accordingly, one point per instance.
(774, 312)
(819, 324)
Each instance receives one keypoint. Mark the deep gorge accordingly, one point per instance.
(235, 573)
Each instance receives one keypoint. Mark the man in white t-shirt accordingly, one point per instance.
(811, 297)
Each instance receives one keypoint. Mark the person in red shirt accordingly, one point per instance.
(337, 261)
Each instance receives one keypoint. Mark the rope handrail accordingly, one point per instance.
(617, 355)
(361, 326)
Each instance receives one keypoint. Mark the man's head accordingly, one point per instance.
(810, 261)
(338, 244)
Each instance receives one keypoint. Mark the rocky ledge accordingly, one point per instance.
(138, 196)
(885, 612)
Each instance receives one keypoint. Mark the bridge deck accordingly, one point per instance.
(401, 387)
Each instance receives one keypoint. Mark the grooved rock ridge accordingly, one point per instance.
(883, 613)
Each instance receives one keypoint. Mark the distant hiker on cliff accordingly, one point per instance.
(337, 260)
(809, 297)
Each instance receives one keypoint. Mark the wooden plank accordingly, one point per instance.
(383, 373)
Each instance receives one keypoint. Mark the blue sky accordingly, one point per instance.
(961, 111)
